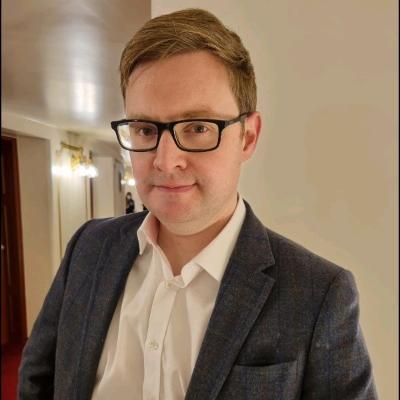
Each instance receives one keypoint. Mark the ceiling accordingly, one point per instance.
(61, 57)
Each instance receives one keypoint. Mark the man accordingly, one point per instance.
(130, 204)
(195, 299)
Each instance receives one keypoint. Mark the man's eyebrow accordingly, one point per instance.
(140, 116)
(195, 113)
(199, 113)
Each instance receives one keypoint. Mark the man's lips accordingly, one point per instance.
(174, 188)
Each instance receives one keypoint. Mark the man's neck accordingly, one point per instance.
(180, 249)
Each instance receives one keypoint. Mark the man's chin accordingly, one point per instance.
(173, 214)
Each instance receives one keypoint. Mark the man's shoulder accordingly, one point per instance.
(289, 256)
(101, 236)
(117, 223)
(297, 263)
(286, 248)
(98, 230)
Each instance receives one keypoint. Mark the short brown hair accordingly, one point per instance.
(190, 30)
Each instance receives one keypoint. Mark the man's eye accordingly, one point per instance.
(198, 128)
(143, 130)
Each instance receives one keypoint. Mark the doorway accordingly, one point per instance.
(13, 316)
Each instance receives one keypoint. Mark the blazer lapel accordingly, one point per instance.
(244, 290)
(118, 253)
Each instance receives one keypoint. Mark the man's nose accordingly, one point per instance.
(168, 156)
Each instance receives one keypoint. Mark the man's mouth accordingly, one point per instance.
(174, 188)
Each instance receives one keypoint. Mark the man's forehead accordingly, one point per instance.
(203, 111)
(192, 85)
(180, 72)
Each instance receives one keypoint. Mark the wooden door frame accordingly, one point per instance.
(16, 243)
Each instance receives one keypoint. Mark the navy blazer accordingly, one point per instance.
(285, 323)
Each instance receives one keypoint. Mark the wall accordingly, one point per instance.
(103, 193)
(35, 192)
(327, 88)
(73, 202)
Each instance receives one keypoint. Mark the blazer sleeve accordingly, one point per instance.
(338, 365)
(36, 371)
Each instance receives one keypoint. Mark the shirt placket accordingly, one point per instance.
(158, 322)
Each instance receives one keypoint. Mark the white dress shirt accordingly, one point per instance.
(159, 323)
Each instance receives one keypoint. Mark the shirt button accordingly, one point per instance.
(153, 345)
(168, 285)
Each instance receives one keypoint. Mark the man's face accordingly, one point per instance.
(186, 191)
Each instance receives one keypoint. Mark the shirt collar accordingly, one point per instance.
(215, 256)
(148, 232)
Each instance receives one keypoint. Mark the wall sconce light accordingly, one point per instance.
(128, 179)
(79, 164)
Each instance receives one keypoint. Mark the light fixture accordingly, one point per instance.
(59, 170)
(128, 179)
(79, 165)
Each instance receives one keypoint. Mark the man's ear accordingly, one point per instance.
(252, 129)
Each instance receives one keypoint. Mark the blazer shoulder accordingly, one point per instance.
(92, 235)
(291, 262)
(104, 227)
(299, 260)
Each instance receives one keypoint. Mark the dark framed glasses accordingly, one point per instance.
(194, 135)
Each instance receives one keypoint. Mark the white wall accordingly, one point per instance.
(103, 188)
(36, 205)
(325, 170)
(73, 205)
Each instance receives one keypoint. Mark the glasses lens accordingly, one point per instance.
(197, 135)
(138, 135)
